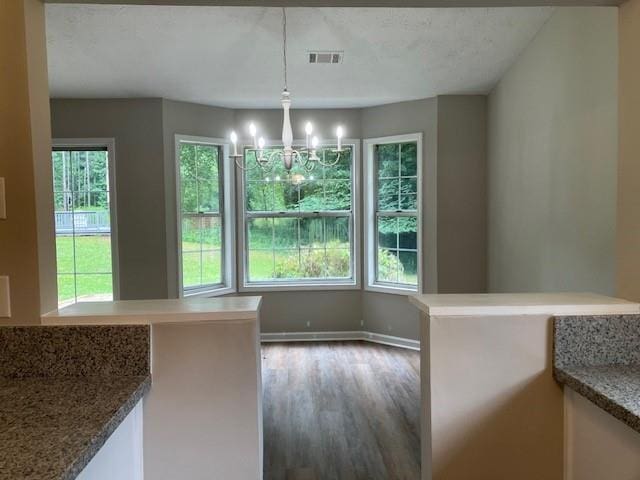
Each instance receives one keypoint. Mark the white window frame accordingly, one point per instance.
(110, 145)
(227, 213)
(353, 283)
(370, 202)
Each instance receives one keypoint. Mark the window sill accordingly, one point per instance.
(210, 292)
(391, 289)
(289, 287)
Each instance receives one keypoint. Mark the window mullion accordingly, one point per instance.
(402, 213)
(300, 214)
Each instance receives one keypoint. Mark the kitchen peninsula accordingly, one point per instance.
(490, 405)
(202, 416)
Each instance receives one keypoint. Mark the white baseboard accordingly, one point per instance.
(391, 340)
(337, 336)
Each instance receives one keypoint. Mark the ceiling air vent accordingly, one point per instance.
(325, 57)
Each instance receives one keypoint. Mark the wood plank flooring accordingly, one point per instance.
(341, 411)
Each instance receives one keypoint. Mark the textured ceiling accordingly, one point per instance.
(231, 56)
(360, 3)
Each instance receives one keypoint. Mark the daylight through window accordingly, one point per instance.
(82, 201)
(201, 200)
(392, 204)
(299, 225)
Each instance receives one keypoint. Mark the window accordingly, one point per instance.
(393, 218)
(299, 225)
(206, 240)
(84, 215)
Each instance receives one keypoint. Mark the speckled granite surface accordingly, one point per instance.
(597, 340)
(38, 351)
(599, 357)
(63, 391)
(50, 428)
(614, 388)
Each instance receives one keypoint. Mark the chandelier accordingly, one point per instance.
(306, 156)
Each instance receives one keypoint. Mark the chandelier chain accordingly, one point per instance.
(284, 45)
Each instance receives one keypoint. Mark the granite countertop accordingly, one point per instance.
(599, 358)
(614, 388)
(50, 428)
(63, 392)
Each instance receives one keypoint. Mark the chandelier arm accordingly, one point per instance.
(296, 156)
(302, 159)
(269, 164)
(236, 159)
(309, 166)
(305, 161)
(331, 164)
(244, 167)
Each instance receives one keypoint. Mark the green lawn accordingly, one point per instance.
(93, 266)
(91, 262)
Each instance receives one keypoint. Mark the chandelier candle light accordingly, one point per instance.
(307, 156)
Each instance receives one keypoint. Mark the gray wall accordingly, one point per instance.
(325, 121)
(462, 193)
(136, 126)
(453, 197)
(180, 118)
(391, 314)
(453, 207)
(552, 150)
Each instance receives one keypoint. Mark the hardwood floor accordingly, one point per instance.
(341, 411)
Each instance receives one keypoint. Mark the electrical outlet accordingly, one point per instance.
(5, 298)
(308, 324)
(3, 201)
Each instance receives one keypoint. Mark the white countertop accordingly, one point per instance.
(522, 304)
(145, 312)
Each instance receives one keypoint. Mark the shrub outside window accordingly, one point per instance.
(392, 201)
(299, 225)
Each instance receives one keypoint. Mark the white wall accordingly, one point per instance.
(203, 415)
(552, 153)
(121, 455)
(597, 445)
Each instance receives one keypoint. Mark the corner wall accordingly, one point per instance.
(462, 194)
(628, 230)
(552, 158)
(386, 313)
(453, 202)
